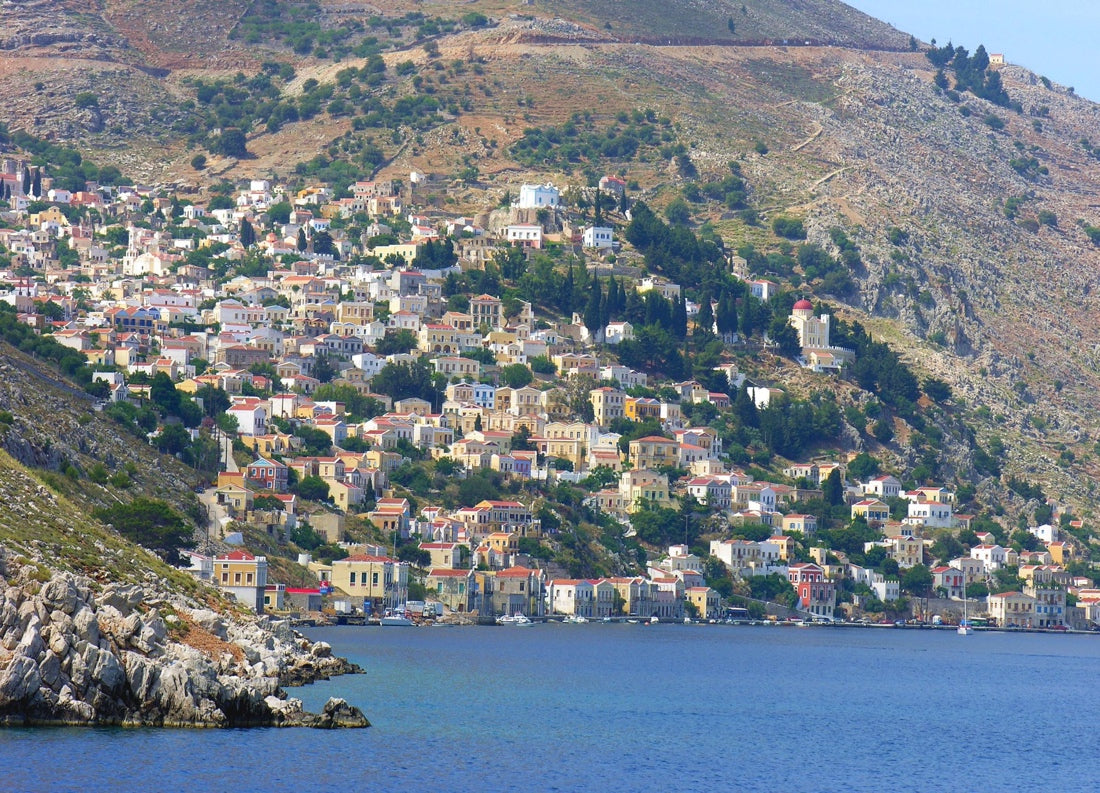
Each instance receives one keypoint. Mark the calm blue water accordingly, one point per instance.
(635, 708)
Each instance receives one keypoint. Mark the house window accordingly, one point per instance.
(248, 578)
(225, 578)
(236, 578)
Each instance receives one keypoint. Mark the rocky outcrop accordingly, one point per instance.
(124, 656)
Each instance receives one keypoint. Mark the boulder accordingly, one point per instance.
(60, 593)
(338, 713)
(18, 682)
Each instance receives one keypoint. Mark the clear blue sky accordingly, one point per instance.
(1053, 38)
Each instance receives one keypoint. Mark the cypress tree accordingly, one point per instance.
(565, 296)
(727, 314)
(593, 312)
(599, 207)
(747, 314)
(26, 180)
(36, 184)
(303, 243)
(704, 323)
(248, 234)
(680, 318)
(612, 297)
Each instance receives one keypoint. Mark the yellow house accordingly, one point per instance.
(503, 542)
(406, 251)
(640, 485)
(375, 579)
(565, 449)
(236, 498)
(244, 576)
(875, 512)
(1013, 609)
(607, 404)
(654, 451)
(641, 408)
(50, 215)
(705, 600)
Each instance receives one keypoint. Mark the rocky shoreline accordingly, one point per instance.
(76, 654)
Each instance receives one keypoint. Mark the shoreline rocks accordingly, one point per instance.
(70, 656)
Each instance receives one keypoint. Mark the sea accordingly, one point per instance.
(627, 707)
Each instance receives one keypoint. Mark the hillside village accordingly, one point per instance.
(395, 389)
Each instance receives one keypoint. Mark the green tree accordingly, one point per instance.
(784, 336)
(917, 580)
(937, 390)
(593, 311)
(150, 523)
(516, 375)
(247, 234)
(162, 392)
(230, 143)
(401, 380)
(704, 320)
(834, 488)
(395, 343)
(313, 488)
(172, 439)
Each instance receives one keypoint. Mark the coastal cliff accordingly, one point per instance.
(75, 653)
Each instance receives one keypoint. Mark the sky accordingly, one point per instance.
(1053, 38)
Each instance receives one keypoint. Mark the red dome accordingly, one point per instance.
(803, 304)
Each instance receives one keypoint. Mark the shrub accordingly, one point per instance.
(789, 228)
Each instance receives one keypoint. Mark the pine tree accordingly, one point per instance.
(248, 234)
(303, 243)
(593, 312)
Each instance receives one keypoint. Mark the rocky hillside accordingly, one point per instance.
(95, 630)
(56, 427)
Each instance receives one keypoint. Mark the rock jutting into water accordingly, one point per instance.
(71, 656)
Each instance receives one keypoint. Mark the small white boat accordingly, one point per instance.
(575, 619)
(519, 620)
(395, 618)
(965, 628)
(654, 620)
